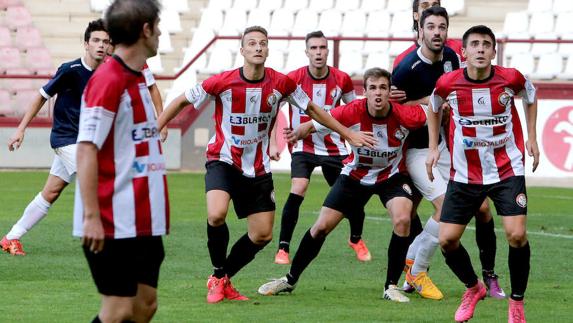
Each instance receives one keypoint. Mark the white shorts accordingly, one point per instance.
(64, 164)
(416, 164)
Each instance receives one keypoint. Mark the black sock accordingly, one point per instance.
(307, 250)
(242, 253)
(485, 239)
(356, 221)
(518, 261)
(415, 227)
(460, 263)
(396, 257)
(96, 319)
(217, 242)
(289, 219)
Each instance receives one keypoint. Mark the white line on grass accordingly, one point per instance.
(555, 197)
(536, 233)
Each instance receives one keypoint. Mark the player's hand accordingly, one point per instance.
(15, 140)
(163, 134)
(274, 153)
(397, 95)
(431, 162)
(533, 151)
(93, 237)
(446, 114)
(290, 136)
(361, 139)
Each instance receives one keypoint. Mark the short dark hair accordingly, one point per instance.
(434, 11)
(124, 19)
(314, 34)
(94, 25)
(415, 6)
(253, 29)
(376, 72)
(481, 30)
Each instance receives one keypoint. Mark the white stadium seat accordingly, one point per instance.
(351, 63)
(401, 22)
(541, 23)
(234, 22)
(549, 66)
(165, 43)
(305, 22)
(99, 5)
(372, 5)
(270, 4)
(563, 23)
(330, 22)
(281, 22)
(177, 5)
(211, 18)
(560, 6)
(170, 21)
(276, 60)
(568, 71)
(378, 23)
(259, 17)
(399, 5)
(155, 64)
(566, 49)
(295, 59)
(245, 4)
(320, 5)
(511, 49)
(378, 59)
(538, 49)
(454, 6)
(295, 5)
(345, 5)
(220, 4)
(515, 22)
(539, 6)
(524, 62)
(397, 47)
(219, 61)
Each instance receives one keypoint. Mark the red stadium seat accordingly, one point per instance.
(17, 16)
(15, 85)
(38, 59)
(22, 101)
(28, 37)
(9, 58)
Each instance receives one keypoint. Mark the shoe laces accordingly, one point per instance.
(361, 246)
(16, 246)
(213, 283)
(516, 313)
(467, 299)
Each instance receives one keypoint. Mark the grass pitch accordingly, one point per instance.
(52, 283)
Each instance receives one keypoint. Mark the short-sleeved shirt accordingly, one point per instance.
(417, 76)
(325, 92)
(118, 117)
(68, 84)
(485, 134)
(245, 112)
(454, 44)
(373, 166)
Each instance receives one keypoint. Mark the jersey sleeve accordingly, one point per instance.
(439, 95)
(149, 79)
(296, 95)
(201, 93)
(399, 77)
(100, 104)
(411, 117)
(57, 84)
(348, 93)
(523, 87)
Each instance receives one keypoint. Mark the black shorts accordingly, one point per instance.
(348, 195)
(249, 195)
(462, 201)
(124, 263)
(302, 165)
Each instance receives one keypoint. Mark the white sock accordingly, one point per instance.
(413, 248)
(427, 248)
(34, 212)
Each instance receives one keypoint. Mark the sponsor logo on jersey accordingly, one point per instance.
(148, 167)
(474, 144)
(521, 200)
(377, 153)
(143, 133)
(243, 142)
(407, 189)
(239, 120)
(495, 121)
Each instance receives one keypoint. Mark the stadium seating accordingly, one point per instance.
(524, 62)
(320, 5)
(295, 5)
(28, 37)
(275, 60)
(99, 5)
(15, 85)
(9, 3)
(549, 66)
(211, 18)
(5, 38)
(259, 17)
(245, 5)
(399, 5)
(305, 21)
(270, 4)
(347, 5)
(515, 22)
(561, 6)
(234, 22)
(9, 58)
(17, 16)
(351, 62)
(155, 64)
(567, 73)
(377, 59)
(177, 5)
(536, 6)
(372, 5)
(170, 21)
(330, 22)
(38, 60)
(165, 42)
(6, 109)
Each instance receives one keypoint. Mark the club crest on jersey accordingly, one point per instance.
(399, 134)
(272, 100)
(335, 93)
(448, 67)
(521, 200)
(407, 189)
(273, 196)
(504, 98)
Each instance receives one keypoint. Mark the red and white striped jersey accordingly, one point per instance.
(373, 166)
(245, 112)
(485, 133)
(117, 115)
(326, 93)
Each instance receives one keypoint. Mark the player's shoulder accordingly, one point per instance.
(403, 54)
(451, 77)
(334, 71)
(508, 73)
(71, 65)
(450, 52)
(297, 73)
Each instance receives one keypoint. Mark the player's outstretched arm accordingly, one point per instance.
(433, 133)
(93, 237)
(531, 120)
(15, 141)
(354, 138)
(172, 110)
(158, 105)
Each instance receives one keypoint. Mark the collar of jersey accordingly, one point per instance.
(120, 61)
(467, 77)
(377, 118)
(251, 81)
(316, 78)
(85, 65)
(425, 59)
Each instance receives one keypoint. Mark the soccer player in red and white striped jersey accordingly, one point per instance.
(238, 162)
(488, 154)
(379, 170)
(326, 86)
(122, 208)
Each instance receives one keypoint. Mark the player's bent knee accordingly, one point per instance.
(262, 238)
(447, 244)
(216, 219)
(516, 238)
(401, 224)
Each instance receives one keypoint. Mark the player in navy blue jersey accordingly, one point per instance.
(68, 84)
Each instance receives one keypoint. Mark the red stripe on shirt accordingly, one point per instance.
(142, 205)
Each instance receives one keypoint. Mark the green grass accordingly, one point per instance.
(52, 283)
